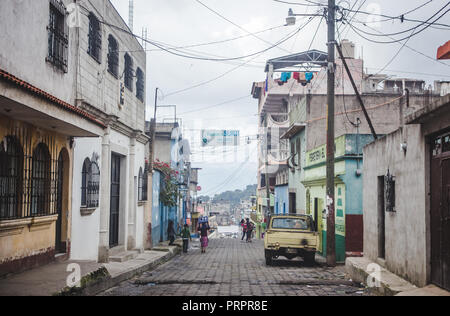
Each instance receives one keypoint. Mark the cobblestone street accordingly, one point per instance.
(234, 268)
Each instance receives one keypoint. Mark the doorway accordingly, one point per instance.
(440, 211)
(115, 201)
(381, 219)
(61, 202)
(292, 203)
(318, 207)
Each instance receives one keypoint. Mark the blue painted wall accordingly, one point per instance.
(282, 199)
(156, 216)
(353, 183)
(353, 188)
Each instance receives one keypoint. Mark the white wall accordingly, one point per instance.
(85, 229)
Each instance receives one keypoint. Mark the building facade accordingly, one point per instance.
(406, 194)
(348, 188)
(302, 94)
(110, 173)
(39, 122)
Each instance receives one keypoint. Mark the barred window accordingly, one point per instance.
(140, 84)
(11, 169)
(113, 56)
(40, 181)
(142, 185)
(90, 184)
(58, 38)
(94, 38)
(128, 72)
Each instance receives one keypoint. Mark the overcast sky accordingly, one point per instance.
(186, 22)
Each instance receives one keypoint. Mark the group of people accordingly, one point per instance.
(203, 229)
(247, 229)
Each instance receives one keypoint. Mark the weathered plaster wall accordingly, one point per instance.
(384, 113)
(23, 53)
(96, 85)
(406, 229)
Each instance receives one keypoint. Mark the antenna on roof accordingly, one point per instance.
(131, 15)
(144, 38)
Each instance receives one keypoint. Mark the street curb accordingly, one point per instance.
(92, 285)
(390, 284)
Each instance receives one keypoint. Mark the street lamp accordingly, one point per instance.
(291, 19)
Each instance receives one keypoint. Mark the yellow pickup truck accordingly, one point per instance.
(291, 236)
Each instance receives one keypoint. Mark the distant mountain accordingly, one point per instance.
(234, 197)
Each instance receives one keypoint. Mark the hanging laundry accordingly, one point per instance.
(285, 76)
(296, 76)
(309, 76)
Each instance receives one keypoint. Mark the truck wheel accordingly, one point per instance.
(269, 259)
(310, 258)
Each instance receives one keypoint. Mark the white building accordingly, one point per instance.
(109, 191)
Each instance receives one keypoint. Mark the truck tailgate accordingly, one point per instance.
(292, 238)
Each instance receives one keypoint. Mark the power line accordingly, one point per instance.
(197, 57)
(216, 105)
(222, 41)
(231, 70)
(356, 29)
(405, 31)
(400, 17)
(310, 3)
(236, 25)
(413, 49)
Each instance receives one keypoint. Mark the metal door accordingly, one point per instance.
(115, 202)
(440, 212)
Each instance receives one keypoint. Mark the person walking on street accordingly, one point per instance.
(263, 228)
(249, 230)
(244, 229)
(204, 229)
(171, 233)
(186, 235)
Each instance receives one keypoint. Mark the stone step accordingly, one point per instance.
(124, 256)
(116, 250)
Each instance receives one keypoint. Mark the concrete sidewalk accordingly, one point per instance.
(390, 283)
(52, 279)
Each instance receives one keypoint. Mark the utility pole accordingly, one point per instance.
(331, 237)
(156, 103)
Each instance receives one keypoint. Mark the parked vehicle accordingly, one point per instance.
(291, 236)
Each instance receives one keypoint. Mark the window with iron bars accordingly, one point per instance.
(90, 185)
(113, 56)
(11, 169)
(94, 38)
(28, 176)
(58, 38)
(140, 84)
(143, 185)
(128, 72)
(40, 180)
